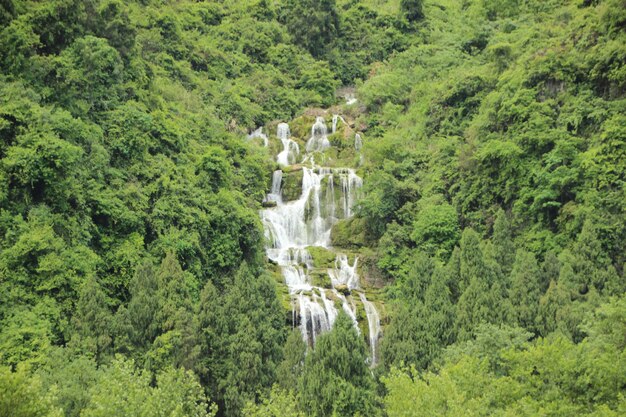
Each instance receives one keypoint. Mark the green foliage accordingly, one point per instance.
(548, 374)
(21, 395)
(412, 9)
(313, 23)
(122, 390)
(280, 403)
(240, 334)
(335, 379)
(91, 322)
(436, 229)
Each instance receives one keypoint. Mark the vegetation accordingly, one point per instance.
(132, 275)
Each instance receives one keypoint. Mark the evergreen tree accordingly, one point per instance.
(335, 379)
(174, 300)
(553, 310)
(91, 333)
(550, 270)
(503, 242)
(525, 290)
(453, 274)
(290, 369)
(474, 305)
(591, 263)
(240, 335)
(440, 316)
(143, 306)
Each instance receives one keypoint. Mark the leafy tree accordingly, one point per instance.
(122, 390)
(435, 229)
(314, 24)
(21, 395)
(412, 9)
(279, 403)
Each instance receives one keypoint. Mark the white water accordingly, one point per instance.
(336, 119)
(358, 142)
(291, 149)
(373, 322)
(327, 196)
(259, 134)
(319, 136)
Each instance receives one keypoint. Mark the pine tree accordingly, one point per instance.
(474, 306)
(525, 290)
(91, 323)
(290, 369)
(453, 274)
(240, 334)
(143, 306)
(335, 379)
(503, 242)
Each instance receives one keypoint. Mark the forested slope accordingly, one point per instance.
(132, 274)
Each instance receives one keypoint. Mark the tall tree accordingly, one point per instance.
(525, 290)
(92, 322)
(474, 306)
(240, 335)
(290, 369)
(143, 305)
(336, 379)
(503, 242)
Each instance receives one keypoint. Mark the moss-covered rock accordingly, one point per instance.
(291, 185)
(343, 289)
(348, 233)
(320, 278)
(322, 257)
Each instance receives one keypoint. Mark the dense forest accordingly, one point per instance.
(490, 228)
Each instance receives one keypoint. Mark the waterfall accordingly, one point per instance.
(319, 136)
(336, 119)
(358, 142)
(373, 321)
(291, 227)
(291, 150)
(259, 134)
(274, 194)
(344, 273)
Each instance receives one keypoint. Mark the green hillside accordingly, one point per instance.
(490, 230)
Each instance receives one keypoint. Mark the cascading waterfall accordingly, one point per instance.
(358, 142)
(319, 136)
(259, 134)
(291, 150)
(291, 227)
(336, 119)
(373, 321)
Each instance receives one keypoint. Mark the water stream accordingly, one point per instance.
(292, 227)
